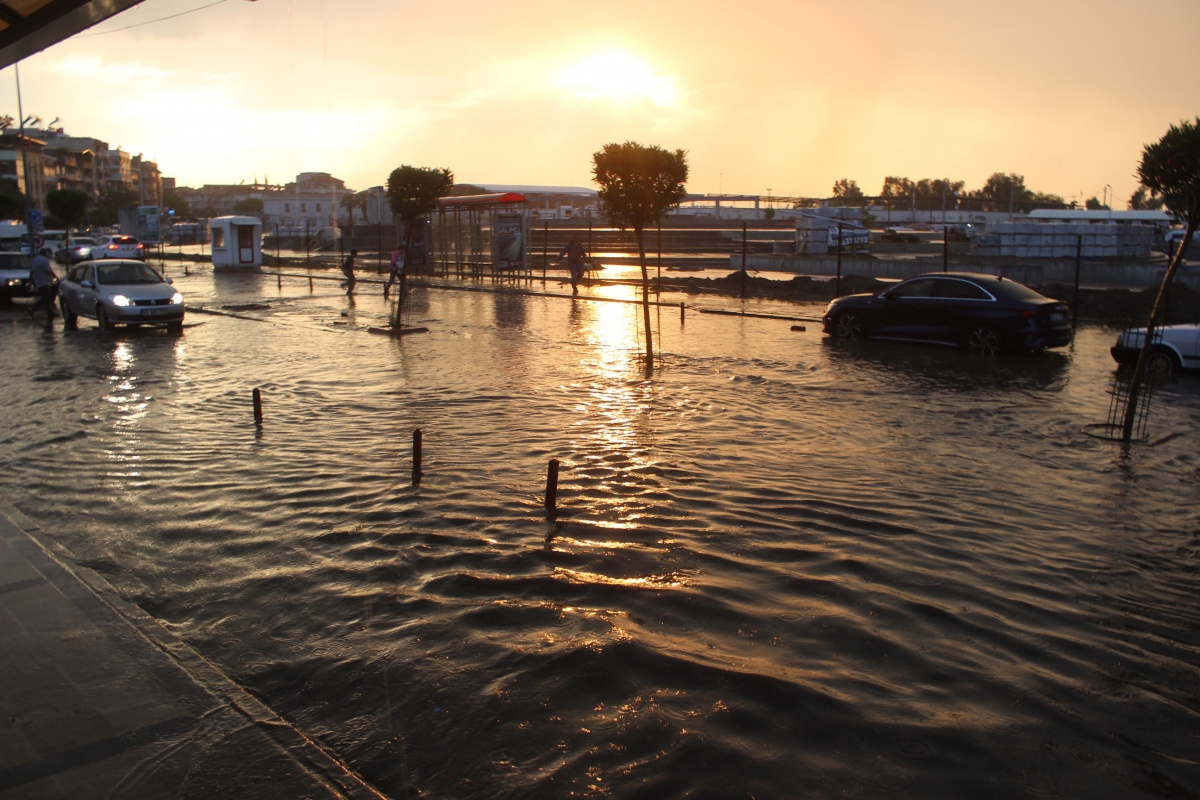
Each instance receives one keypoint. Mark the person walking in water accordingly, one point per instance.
(348, 271)
(574, 253)
(397, 271)
(42, 276)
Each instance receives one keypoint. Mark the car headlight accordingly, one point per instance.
(176, 299)
(120, 300)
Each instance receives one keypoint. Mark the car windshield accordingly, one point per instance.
(14, 261)
(126, 272)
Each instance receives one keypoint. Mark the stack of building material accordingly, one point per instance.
(1059, 240)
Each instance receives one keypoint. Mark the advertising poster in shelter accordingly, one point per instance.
(147, 224)
(510, 241)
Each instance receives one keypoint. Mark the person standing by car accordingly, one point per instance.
(42, 276)
(348, 271)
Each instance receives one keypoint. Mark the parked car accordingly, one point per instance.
(1174, 348)
(75, 250)
(119, 292)
(118, 246)
(984, 313)
(14, 276)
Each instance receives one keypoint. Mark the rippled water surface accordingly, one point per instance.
(780, 568)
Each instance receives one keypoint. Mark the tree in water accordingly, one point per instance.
(1170, 168)
(638, 184)
(413, 192)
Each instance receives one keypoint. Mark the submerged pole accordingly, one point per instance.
(258, 417)
(552, 486)
(416, 457)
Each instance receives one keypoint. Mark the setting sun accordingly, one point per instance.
(616, 75)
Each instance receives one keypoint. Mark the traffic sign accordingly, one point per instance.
(35, 217)
(39, 242)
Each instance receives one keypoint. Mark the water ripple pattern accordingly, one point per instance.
(780, 568)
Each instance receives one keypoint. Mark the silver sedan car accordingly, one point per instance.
(119, 292)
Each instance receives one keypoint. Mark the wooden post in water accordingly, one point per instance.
(545, 247)
(257, 407)
(552, 487)
(680, 312)
(279, 281)
(416, 457)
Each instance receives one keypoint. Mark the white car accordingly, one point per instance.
(1175, 348)
(14, 276)
(119, 292)
(118, 246)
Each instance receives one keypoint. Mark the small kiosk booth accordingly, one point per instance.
(471, 233)
(236, 242)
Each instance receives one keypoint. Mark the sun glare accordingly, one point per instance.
(616, 75)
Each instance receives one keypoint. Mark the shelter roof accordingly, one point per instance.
(482, 199)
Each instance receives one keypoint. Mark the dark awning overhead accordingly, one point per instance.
(30, 26)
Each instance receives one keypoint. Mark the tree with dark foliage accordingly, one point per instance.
(638, 184)
(413, 192)
(1170, 168)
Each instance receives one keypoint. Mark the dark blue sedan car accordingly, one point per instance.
(983, 313)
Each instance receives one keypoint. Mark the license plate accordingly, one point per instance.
(1058, 316)
(155, 312)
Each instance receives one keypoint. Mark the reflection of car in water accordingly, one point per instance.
(125, 292)
(14, 276)
(1174, 348)
(984, 313)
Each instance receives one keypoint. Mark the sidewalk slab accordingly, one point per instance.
(98, 700)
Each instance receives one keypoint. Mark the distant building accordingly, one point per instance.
(15, 159)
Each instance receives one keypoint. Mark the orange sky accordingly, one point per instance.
(782, 95)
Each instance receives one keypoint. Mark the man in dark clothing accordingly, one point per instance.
(574, 253)
(42, 276)
(348, 271)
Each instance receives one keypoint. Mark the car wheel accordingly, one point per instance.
(70, 318)
(1162, 363)
(102, 319)
(984, 341)
(849, 327)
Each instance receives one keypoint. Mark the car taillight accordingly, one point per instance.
(140, 246)
(1027, 314)
(112, 247)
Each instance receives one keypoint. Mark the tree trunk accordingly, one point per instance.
(1139, 371)
(641, 237)
(404, 274)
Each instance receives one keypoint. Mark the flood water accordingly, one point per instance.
(781, 567)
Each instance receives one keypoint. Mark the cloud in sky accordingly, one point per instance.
(789, 95)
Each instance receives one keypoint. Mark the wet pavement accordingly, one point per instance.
(99, 700)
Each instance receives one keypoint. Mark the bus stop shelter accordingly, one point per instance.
(478, 233)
